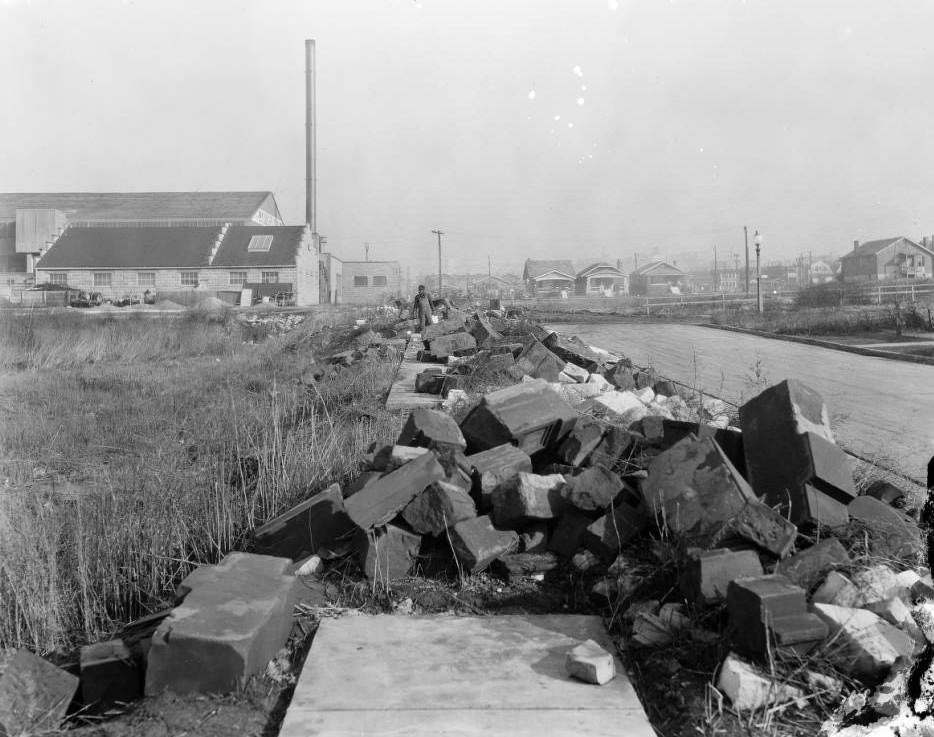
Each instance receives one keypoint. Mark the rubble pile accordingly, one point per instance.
(585, 456)
(274, 322)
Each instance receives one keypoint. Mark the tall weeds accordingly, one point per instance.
(148, 451)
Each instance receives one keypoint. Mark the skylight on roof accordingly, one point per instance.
(259, 243)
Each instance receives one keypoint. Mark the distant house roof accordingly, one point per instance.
(598, 267)
(143, 206)
(659, 267)
(538, 268)
(234, 249)
(131, 247)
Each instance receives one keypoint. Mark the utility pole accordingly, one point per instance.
(439, 233)
(746, 238)
(366, 251)
(715, 267)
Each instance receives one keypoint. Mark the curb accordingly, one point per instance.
(872, 352)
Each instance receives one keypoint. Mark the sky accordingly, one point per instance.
(578, 129)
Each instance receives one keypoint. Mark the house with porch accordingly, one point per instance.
(657, 278)
(549, 278)
(601, 279)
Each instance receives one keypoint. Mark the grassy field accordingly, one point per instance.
(133, 448)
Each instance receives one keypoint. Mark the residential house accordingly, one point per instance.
(658, 277)
(601, 279)
(549, 278)
(120, 260)
(889, 258)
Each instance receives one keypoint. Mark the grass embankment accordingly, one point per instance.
(133, 448)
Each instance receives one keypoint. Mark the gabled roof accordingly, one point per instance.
(141, 206)
(871, 248)
(537, 268)
(286, 240)
(597, 266)
(131, 248)
(659, 266)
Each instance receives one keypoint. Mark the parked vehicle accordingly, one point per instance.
(85, 299)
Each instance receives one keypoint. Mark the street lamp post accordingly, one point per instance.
(757, 239)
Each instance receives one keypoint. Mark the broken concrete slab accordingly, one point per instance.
(537, 361)
(892, 533)
(233, 620)
(453, 344)
(872, 646)
(34, 695)
(693, 489)
(750, 689)
(494, 467)
(388, 553)
(503, 675)
(763, 526)
(431, 428)
(581, 441)
(591, 663)
(528, 497)
(622, 407)
(729, 440)
(615, 444)
(810, 565)
(526, 414)
(318, 525)
(875, 583)
(767, 607)
(110, 674)
(573, 373)
(620, 375)
(574, 350)
(593, 490)
(443, 327)
(477, 543)
(382, 499)
(836, 589)
(707, 573)
(438, 507)
(483, 331)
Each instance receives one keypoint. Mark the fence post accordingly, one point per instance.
(912, 292)
(647, 307)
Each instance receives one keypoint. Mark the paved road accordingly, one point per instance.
(880, 409)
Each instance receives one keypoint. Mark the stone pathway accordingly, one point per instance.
(465, 676)
(402, 394)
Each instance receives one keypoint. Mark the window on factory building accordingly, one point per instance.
(146, 278)
(103, 279)
(259, 243)
(189, 278)
(237, 278)
(59, 278)
(379, 280)
(360, 281)
(269, 277)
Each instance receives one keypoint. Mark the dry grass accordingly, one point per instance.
(152, 446)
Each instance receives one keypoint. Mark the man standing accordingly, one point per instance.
(421, 310)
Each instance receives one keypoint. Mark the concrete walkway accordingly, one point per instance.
(443, 675)
(402, 395)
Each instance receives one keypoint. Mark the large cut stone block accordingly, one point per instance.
(537, 361)
(431, 428)
(891, 533)
(809, 566)
(317, 525)
(767, 606)
(692, 489)
(606, 535)
(574, 350)
(593, 490)
(484, 332)
(381, 500)
(234, 618)
(764, 527)
(526, 414)
(453, 344)
(569, 532)
(443, 327)
(34, 694)
(497, 466)
(528, 497)
(707, 573)
(438, 507)
(791, 459)
(477, 543)
(581, 441)
(388, 553)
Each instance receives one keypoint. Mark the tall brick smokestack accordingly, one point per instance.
(311, 205)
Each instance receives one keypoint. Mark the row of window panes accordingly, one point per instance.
(148, 278)
(363, 281)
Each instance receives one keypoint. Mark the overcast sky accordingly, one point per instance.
(538, 128)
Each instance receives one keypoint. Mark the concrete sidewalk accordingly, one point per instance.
(466, 676)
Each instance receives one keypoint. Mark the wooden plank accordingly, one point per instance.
(402, 395)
